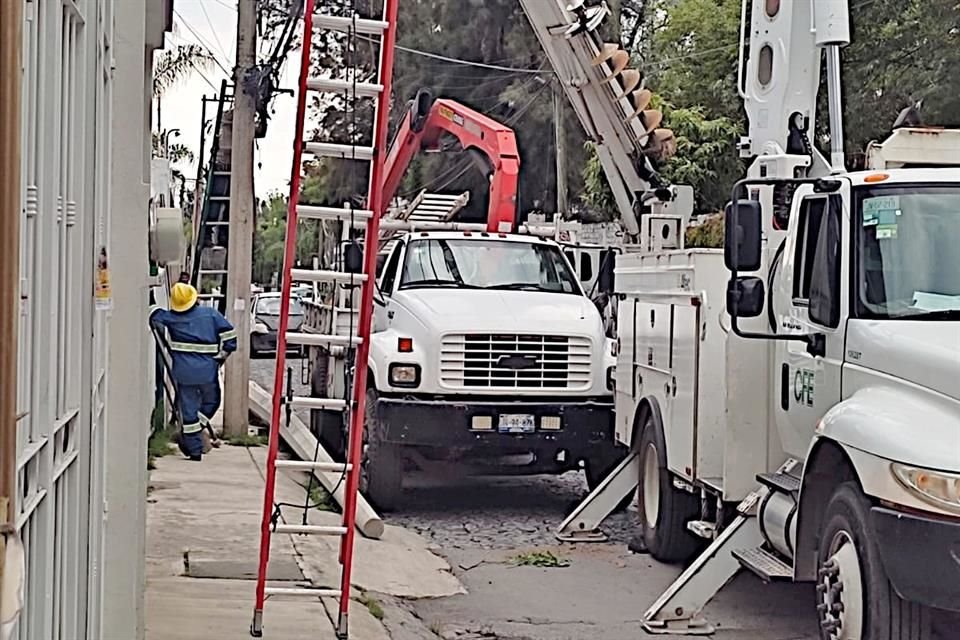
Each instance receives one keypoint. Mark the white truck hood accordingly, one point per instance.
(472, 310)
(921, 352)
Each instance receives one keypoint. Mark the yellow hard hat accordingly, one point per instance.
(182, 297)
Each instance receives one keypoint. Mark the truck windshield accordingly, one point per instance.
(907, 252)
(487, 264)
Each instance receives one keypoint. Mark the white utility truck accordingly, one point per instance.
(485, 351)
(792, 402)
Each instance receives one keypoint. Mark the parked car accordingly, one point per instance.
(265, 320)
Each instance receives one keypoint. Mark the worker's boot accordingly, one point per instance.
(196, 458)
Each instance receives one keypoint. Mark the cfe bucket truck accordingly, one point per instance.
(792, 402)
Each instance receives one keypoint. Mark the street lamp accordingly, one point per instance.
(165, 140)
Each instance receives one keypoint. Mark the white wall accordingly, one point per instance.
(84, 375)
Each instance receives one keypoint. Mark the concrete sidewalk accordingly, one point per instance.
(203, 533)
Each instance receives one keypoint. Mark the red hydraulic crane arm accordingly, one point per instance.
(427, 120)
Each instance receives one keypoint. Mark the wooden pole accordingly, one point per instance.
(236, 407)
(11, 46)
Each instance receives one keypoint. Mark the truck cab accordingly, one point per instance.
(485, 352)
(870, 403)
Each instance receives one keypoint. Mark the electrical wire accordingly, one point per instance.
(213, 30)
(201, 41)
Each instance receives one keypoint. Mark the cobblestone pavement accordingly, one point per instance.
(485, 513)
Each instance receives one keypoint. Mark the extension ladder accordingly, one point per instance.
(353, 404)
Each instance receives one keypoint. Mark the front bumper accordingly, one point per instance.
(443, 423)
(921, 555)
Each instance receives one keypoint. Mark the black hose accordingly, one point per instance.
(771, 275)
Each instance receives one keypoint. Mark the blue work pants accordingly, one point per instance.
(198, 404)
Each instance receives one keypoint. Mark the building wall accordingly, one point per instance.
(84, 372)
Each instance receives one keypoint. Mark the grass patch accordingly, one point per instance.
(247, 440)
(542, 559)
(161, 440)
(372, 604)
(320, 499)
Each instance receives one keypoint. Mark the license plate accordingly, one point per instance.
(517, 423)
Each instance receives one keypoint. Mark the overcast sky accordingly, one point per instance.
(212, 23)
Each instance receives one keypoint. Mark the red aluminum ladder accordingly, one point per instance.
(355, 28)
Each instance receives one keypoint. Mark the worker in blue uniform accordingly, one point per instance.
(200, 340)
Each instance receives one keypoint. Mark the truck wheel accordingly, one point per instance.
(854, 596)
(596, 470)
(381, 477)
(664, 509)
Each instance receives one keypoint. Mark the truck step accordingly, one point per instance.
(703, 529)
(764, 564)
(782, 482)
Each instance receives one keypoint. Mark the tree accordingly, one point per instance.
(174, 65)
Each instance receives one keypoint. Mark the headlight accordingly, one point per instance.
(934, 487)
(260, 327)
(405, 375)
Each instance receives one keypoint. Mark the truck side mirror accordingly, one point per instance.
(745, 297)
(605, 277)
(743, 228)
(381, 262)
(353, 257)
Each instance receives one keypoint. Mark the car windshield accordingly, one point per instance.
(907, 252)
(271, 306)
(487, 264)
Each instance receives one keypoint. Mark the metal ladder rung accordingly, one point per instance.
(310, 529)
(313, 275)
(303, 402)
(308, 465)
(362, 89)
(320, 340)
(332, 213)
(216, 223)
(213, 272)
(302, 592)
(219, 198)
(355, 24)
(343, 151)
(209, 295)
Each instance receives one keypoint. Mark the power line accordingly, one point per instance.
(203, 43)
(213, 31)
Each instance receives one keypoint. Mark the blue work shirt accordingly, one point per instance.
(196, 337)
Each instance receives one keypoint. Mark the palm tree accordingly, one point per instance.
(174, 65)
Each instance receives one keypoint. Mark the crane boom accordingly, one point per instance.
(491, 144)
(609, 100)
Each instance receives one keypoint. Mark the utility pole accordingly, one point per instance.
(559, 140)
(11, 45)
(240, 251)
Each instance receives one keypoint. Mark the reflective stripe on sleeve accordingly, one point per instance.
(191, 347)
(229, 334)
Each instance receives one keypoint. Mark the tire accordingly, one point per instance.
(597, 469)
(381, 478)
(664, 510)
(869, 608)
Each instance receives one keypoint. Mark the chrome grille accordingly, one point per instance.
(512, 361)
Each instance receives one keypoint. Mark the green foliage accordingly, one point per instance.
(372, 604)
(247, 440)
(542, 559)
(708, 234)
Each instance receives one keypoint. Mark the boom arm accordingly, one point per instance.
(492, 145)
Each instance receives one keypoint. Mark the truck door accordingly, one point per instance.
(813, 279)
(384, 294)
